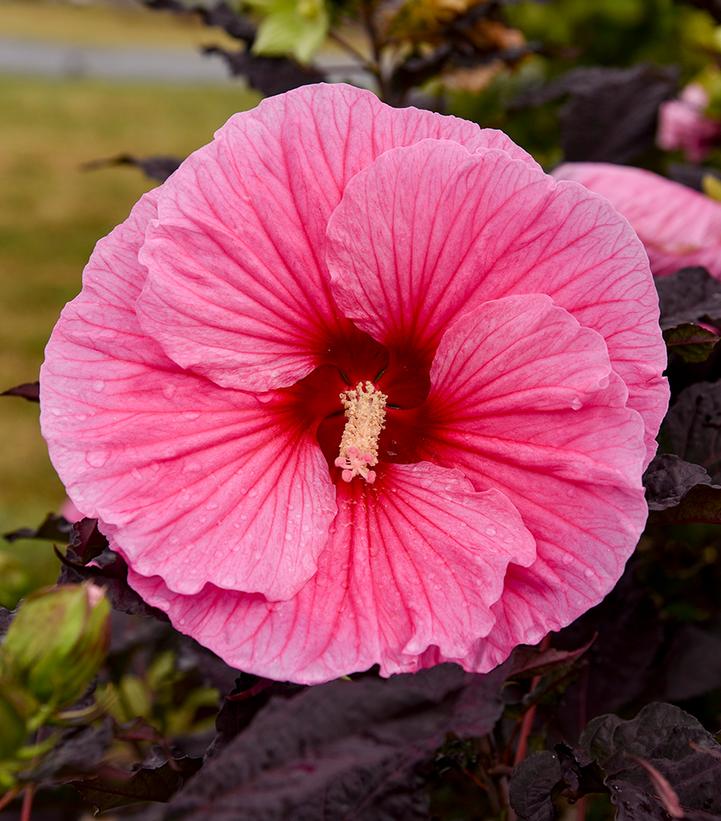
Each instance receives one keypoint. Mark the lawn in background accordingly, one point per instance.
(51, 215)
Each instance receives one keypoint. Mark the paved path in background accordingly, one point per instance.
(63, 60)
(165, 65)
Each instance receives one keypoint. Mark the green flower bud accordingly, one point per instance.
(57, 642)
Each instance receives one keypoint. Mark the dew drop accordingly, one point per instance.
(491, 531)
(190, 415)
(97, 458)
(168, 391)
(98, 385)
(567, 558)
(576, 404)
(136, 474)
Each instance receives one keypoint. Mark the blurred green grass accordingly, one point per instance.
(51, 215)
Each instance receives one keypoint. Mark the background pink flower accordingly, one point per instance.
(500, 330)
(683, 125)
(677, 225)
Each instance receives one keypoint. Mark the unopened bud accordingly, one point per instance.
(57, 642)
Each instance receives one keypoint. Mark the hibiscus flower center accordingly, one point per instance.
(366, 404)
(365, 410)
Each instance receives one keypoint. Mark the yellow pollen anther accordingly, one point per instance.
(365, 411)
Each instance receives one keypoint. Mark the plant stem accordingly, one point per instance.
(27, 806)
(9, 797)
(349, 48)
(529, 715)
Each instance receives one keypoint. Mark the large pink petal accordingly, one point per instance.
(430, 231)
(238, 289)
(195, 483)
(415, 561)
(678, 226)
(524, 400)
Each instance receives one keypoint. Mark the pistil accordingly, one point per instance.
(365, 411)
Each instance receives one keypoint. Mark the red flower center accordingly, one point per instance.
(402, 375)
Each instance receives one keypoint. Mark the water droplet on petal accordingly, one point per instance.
(491, 531)
(98, 385)
(576, 404)
(97, 458)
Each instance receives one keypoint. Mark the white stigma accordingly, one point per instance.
(365, 411)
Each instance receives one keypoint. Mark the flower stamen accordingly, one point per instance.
(365, 411)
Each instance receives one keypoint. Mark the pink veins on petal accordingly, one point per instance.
(678, 226)
(361, 386)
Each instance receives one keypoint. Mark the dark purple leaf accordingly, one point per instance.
(76, 752)
(28, 390)
(250, 695)
(89, 557)
(527, 662)
(668, 479)
(653, 767)
(53, 528)
(662, 735)
(344, 749)
(691, 295)
(221, 15)
(610, 114)
(532, 787)
(156, 168)
(269, 75)
(112, 788)
(692, 429)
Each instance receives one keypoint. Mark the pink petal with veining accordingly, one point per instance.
(430, 231)
(415, 561)
(524, 400)
(678, 226)
(237, 287)
(195, 483)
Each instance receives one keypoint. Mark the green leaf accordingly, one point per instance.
(295, 27)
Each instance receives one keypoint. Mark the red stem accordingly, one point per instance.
(9, 797)
(27, 806)
(529, 715)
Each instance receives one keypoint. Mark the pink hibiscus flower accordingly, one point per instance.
(682, 124)
(678, 226)
(361, 386)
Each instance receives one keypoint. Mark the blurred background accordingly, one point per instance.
(124, 81)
